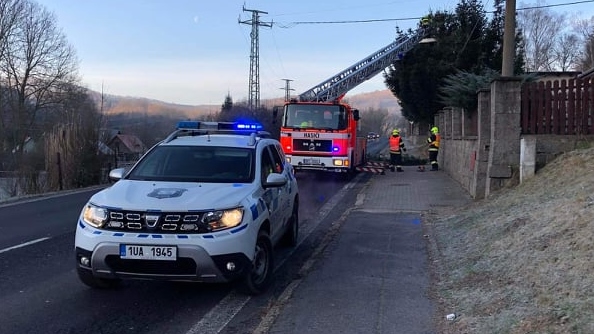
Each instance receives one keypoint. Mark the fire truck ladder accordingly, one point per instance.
(338, 85)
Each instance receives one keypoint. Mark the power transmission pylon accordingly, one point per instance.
(254, 89)
(287, 89)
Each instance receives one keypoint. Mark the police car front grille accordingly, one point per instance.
(181, 266)
(158, 222)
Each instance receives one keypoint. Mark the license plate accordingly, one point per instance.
(311, 161)
(146, 252)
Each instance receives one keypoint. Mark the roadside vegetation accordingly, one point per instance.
(521, 260)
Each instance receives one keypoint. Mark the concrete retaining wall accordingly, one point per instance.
(458, 158)
(493, 154)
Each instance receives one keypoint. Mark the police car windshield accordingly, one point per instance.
(196, 164)
(315, 116)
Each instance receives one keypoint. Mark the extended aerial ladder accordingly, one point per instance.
(320, 132)
(337, 86)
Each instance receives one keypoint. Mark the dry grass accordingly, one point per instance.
(523, 260)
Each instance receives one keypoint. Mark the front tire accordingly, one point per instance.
(260, 276)
(291, 235)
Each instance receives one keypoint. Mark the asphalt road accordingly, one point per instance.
(40, 292)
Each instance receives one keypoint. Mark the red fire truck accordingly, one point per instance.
(318, 131)
(322, 136)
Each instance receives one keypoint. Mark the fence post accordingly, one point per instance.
(482, 147)
(504, 147)
(59, 163)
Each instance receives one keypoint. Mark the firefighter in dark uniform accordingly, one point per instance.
(433, 141)
(396, 148)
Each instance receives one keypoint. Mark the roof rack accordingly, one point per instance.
(200, 128)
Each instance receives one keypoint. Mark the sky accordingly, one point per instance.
(195, 52)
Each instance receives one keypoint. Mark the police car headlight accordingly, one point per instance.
(223, 219)
(94, 215)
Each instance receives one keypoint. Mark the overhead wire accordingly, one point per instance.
(296, 23)
(293, 24)
(269, 82)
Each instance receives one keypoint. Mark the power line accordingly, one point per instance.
(557, 5)
(254, 89)
(292, 24)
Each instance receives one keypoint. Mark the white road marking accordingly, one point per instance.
(222, 314)
(275, 310)
(23, 245)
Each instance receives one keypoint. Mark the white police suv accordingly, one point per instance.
(207, 204)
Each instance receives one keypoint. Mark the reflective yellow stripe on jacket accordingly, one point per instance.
(434, 142)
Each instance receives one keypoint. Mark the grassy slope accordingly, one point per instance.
(521, 261)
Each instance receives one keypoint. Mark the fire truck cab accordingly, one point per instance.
(322, 136)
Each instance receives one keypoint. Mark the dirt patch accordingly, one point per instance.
(520, 261)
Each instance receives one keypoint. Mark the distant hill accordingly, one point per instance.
(114, 104)
(379, 99)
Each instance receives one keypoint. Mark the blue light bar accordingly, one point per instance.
(248, 126)
(197, 125)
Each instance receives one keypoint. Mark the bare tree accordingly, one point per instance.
(588, 55)
(9, 13)
(72, 144)
(584, 28)
(564, 52)
(37, 63)
(541, 28)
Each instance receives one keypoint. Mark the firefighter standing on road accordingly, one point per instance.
(433, 141)
(396, 148)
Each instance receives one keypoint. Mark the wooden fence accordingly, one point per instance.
(561, 107)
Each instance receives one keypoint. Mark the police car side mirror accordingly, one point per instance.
(275, 180)
(118, 173)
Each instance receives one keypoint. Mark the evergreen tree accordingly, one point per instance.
(468, 45)
(414, 79)
(228, 104)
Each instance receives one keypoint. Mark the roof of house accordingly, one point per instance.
(587, 74)
(132, 143)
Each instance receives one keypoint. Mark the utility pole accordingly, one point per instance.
(254, 85)
(509, 39)
(287, 89)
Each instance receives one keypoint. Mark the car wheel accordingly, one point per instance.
(292, 233)
(260, 275)
(86, 276)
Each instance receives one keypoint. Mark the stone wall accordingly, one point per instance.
(493, 154)
(458, 158)
(548, 147)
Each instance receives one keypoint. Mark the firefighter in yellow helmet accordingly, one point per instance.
(425, 21)
(433, 141)
(396, 148)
